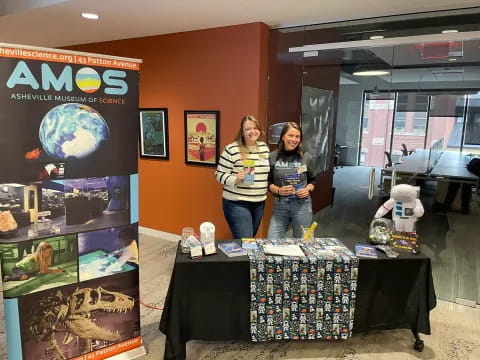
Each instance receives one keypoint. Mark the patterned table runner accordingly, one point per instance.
(308, 297)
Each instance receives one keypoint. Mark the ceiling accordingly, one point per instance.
(54, 23)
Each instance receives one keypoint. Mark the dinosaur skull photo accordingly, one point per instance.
(68, 323)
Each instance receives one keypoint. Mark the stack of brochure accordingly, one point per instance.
(364, 250)
(283, 250)
(231, 249)
(249, 243)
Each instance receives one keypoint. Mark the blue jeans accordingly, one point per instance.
(297, 212)
(243, 217)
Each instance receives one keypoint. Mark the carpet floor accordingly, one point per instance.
(455, 328)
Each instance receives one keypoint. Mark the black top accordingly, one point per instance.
(287, 163)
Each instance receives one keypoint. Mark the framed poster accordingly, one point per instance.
(201, 137)
(154, 133)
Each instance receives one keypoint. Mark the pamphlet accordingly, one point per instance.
(283, 250)
(196, 252)
(249, 170)
(293, 180)
(232, 249)
(209, 248)
(364, 250)
(387, 250)
(405, 241)
(249, 243)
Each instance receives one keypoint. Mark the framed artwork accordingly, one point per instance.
(201, 137)
(154, 133)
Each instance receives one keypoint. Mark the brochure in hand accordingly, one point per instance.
(249, 170)
(293, 180)
(366, 251)
(231, 249)
(249, 243)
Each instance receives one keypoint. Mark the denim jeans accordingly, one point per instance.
(243, 217)
(286, 211)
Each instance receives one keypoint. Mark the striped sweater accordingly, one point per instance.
(230, 164)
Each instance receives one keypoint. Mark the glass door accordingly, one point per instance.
(376, 124)
(409, 125)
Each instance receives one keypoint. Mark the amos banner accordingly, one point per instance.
(68, 203)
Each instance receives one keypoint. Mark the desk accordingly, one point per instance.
(209, 298)
(444, 166)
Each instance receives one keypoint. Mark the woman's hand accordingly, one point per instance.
(286, 190)
(51, 271)
(240, 177)
(304, 192)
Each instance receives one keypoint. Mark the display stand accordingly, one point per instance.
(69, 189)
(136, 353)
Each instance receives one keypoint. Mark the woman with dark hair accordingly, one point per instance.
(129, 251)
(291, 180)
(244, 201)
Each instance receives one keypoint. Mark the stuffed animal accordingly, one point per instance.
(406, 207)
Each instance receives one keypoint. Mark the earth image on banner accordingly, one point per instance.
(72, 130)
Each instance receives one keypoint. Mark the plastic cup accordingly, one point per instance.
(186, 232)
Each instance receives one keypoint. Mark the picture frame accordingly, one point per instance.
(202, 137)
(154, 133)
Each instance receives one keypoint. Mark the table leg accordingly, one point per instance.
(418, 345)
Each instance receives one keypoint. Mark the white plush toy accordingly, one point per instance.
(406, 207)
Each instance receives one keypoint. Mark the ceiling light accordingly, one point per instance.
(90, 16)
(452, 59)
(371, 72)
(449, 31)
(377, 37)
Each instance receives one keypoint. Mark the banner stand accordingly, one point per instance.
(136, 353)
(69, 204)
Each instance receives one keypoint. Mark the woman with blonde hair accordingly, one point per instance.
(37, 263)
(244, 196)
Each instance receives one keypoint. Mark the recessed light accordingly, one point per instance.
(377, 37)
(371, 73)
(90, 16)
(450, 31)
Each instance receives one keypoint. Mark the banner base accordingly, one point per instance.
(136, 353)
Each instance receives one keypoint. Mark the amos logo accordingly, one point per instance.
(87, 79)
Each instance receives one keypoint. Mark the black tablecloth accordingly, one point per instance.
(208, 298)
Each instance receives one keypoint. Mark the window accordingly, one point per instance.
(400, 119)
(363, 156)
(419, 122)
(365, 114)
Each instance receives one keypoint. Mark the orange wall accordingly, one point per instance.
(216, 69)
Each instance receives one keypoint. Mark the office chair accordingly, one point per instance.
(389, 159)
(405, 151)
